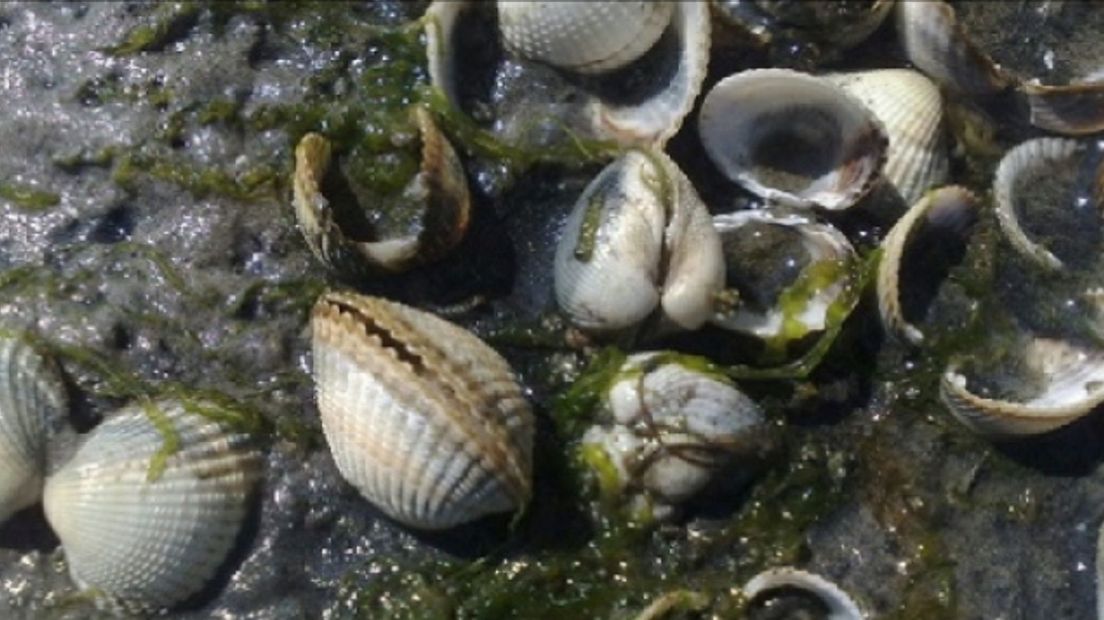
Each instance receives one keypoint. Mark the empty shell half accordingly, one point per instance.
(793, 138)
(421, 416)
(638, 238)
(819, 597)
(33, 406)
(150, 504)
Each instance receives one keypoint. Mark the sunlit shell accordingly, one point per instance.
(941, 217)
(786, 270)
(586, 37)
(1067, 380)
(638, 238)
(837, 604)
(439, 191)
(421, 416)
(793, 138)
(911, 110)
(151, 503)
(33, 405)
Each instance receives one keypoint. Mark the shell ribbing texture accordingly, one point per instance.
(422, 417)
(148, 541)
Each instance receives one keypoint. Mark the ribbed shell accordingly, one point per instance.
(911, 111)
(793, 138)
(1029, 156)
(33, 404)
(421, 416)
(951, 210)
(938, 45)
(586, 37)
(1074, 387)
(839, 604)
(147, 541)
(639, 216)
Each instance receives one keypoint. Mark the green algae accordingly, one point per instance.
(261, 182)
(28, 198)
(173, 20)
(170, 440)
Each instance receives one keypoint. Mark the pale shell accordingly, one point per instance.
(33, 405)
(938, 45)
(793, 138)
(143, 536)
(839, 604)
(421, 416)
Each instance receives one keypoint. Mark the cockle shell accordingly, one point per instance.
(585, 37)
(838, 605)
(793, 138)
(910, 109)
(638, 237)
(33, 405)
(150, 504)
(938, 45)
(947, 211)
(421, 416)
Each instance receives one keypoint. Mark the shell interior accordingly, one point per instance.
(820, 596)
(935, 41)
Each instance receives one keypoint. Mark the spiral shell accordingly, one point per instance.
(837, 604)
(421, 416)
(149, 506)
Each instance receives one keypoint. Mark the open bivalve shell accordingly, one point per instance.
(421, 416)
(150, 504)
(590, 38)
(638, 238)
(812, 596)
(33, 406)
(793, 138)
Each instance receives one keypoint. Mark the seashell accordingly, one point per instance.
(383, 232)
(637, 238)
(786, 269)
(938, 45)
(1058, 383)
(33, 406)
(941, 217)
(667, 428)
(150, 504)
(646, 118)
(793, 138)
(421, 416)
(910, 108)
(830, 601)
(584, 37)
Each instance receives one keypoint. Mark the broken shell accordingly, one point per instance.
(793, 138)
(585, 37)
(942, 217)
(910, 109)
(638, 237)
(828, 600)
(786, 269)
(938, 45)
(149, 506)
(668, 428)
(421, 416)
(383, 232)
(33, 405)
(1051, 384)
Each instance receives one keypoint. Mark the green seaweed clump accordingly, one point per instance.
(28, 198)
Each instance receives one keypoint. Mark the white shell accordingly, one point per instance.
(952, 210)
(146, 539)
(586, 37)
(638, 237)
(839, 603)
(1072, 385)
(821, 243)
(421, 416)
(32, 404)
(911, 110)
(793, 138)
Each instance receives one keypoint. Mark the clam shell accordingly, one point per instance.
(910, 108)
(1073, 109)
(793, 138)
(144, 536)
(421, 416)
(839, 604)
(945, 211)
(1072, 386)
(585, 37)
(33, 404)
(637, 238)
